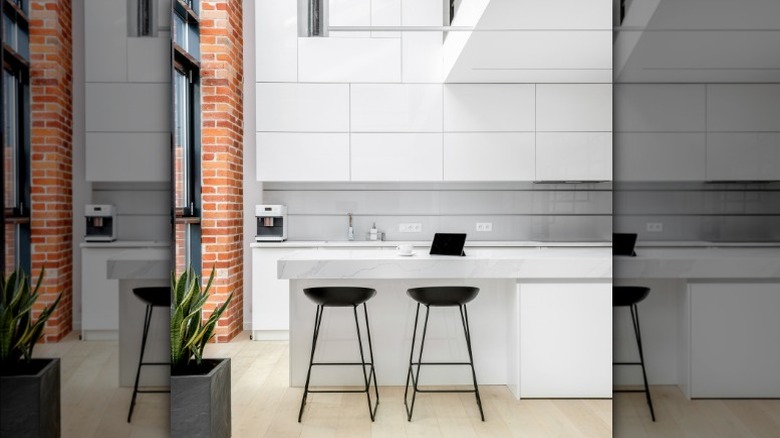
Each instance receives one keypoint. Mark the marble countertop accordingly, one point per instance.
(426, 243)
(520, 263)
(146, 264)
(127, 244)
(701, 263)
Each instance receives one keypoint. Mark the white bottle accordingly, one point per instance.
(350, 230)
(372, 233)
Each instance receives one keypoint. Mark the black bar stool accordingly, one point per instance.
(152, 297)
(444, 296)
(629, 296)
(342, 297)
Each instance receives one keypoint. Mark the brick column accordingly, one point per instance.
(222, 78)
(51, 158)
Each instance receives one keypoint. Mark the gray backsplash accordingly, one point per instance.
(698, 211)
(520, 211)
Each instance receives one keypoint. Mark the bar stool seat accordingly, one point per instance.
(440, 296)
(630, 296)
(342, 296)
(156, 296)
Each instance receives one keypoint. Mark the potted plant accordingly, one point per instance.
(29, 388)
(200, 388)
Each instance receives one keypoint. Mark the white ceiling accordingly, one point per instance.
(699, 41)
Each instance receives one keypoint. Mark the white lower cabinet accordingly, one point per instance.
(270, 296)
(99, 295)
(565, 340)
(735, 330)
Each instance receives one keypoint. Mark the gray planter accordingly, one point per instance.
(30, 404)
(200, 404)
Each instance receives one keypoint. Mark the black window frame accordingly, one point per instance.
(14, 63)
(187, 64)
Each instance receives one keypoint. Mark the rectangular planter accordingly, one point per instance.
(30, 404)
(200, 404)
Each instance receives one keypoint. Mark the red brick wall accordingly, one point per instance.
(51, 152)
(222, 78)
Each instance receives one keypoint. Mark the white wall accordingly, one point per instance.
(81, 188)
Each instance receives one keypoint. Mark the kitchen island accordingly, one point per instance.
(710, 322)
(541, 324)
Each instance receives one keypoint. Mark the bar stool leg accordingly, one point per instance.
(411, 358)
(147, 323)
(371, 354)
(638, 333)
(464, 317)
(416, 376)
(317, 321)
(366, 377)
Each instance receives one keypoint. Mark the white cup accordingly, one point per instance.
(404, 249)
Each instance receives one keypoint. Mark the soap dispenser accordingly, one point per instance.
(372, 233)
(350, 230)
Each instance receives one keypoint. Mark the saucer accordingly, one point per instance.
(405, 254)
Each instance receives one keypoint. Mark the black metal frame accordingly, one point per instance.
(638, 335)
(366, 377)
(136, 391)
(415, 377)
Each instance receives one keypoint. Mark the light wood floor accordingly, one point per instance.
(678, 417)
(263, 406)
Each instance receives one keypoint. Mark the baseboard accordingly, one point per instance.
(270, 335)
(100, 335)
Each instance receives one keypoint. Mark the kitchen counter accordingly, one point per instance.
(541, 324)
(426, 243)
(127, 244)
(700, 263)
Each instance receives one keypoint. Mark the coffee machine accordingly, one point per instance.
(271, 223)
(101, 223)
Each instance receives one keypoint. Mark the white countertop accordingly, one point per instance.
(705, 244)
(127, 244)
(426, 243)
(146, 264)
(706, 263)
(521, 263)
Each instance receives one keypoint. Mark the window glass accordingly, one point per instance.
(181, 140)
(10, 139)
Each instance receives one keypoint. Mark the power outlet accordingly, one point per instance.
(485, 226)
(414, 227)
(655, 227)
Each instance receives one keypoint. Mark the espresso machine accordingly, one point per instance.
(101, 223)
(271, 223)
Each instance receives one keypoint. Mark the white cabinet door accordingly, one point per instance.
(574, 156)
(148, 59)
(349, 59)
(105, 41)
(734, 340)
(743, 156)
(303, 107)
(127, 156)
(276, 41)
(99, 295)
(489, 107)
(396, 157)
(270, 295)
(573, 107)
(565, 340)
(491, 156)
(291, 156)
(659, 108)
(396, 108)
(139, 107)
(656, 156)
(743, 107)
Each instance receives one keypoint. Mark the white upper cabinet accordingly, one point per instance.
(422, 51)
(489, 108)
(573, 156)
(489, 156)
(659, 108)
(396, 108)
(105, 41)
(396, 157)
(276, 41)
(574, 107)
(303, 107)
(660, 156)
(743, 108)
(349, 60)
(127, 107)
(141, 50)
(289, 156)
(743, 156)
(127, 156)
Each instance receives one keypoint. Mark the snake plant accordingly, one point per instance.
(189, 333)
(18, 331)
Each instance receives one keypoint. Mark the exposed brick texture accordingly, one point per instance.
(222, 78)
(51, 158)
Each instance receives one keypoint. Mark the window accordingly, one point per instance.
(16, 142)
(141, 18)
(186, 135)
